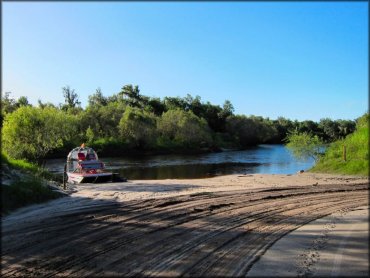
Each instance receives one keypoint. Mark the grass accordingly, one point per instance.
(357, 155)
(29, 167)
(19, 163)
(23, 193)
(27, 186)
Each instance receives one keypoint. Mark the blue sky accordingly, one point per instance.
(297, 60)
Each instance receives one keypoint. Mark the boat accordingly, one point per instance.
(84, 166)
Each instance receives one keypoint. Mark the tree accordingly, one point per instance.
(90, 136)
(103, 120)
(250, 131)
(70, 98)
(213, 115)
(43, 105)
(131, 95)
(8, 104)
(138, 128)
(184, 128)
(308, 126)
(227, 109)
(97, 99)
(305, 145)
(22, 101)
(330, 129)
(31, 133)
(174, 103)
(156, 106)
(345, 127)
(283, 126)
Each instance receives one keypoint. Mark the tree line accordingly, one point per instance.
(129, 121)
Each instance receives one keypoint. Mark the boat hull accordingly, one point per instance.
(89, 178)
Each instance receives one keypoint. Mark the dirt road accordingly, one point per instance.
(199, 234)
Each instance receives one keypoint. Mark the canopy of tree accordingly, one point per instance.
(129, 120)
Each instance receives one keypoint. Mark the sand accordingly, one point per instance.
(148, 189)
(334, 256)
(332, 246)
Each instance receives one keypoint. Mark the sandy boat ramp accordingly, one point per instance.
(236, 225)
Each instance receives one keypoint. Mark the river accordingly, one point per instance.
(263, 159)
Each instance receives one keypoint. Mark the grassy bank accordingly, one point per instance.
(23, 193)
(348, 156)
(23, 184)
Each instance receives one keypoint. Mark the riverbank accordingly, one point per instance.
(100, 225)
(147, 189)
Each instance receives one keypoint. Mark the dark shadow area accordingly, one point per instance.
(137, 187)
(198, 235)
(187, 171)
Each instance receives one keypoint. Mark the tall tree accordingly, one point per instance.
(22, 101)
(131, 95)
(70, 98)
(97, 99)
(8, 104)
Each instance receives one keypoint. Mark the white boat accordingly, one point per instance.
(83, 166)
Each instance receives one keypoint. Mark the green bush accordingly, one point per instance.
(357, 153)
(31, 133)
(183, 129)
(138, 128)
(304, 145)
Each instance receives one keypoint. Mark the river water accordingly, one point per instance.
(263, 159)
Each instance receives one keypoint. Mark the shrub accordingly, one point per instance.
(31, 133)
(138, 128)
(184, 129)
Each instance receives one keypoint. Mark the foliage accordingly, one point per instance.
(109, 146)
(31, 133)
(156, 106)
(184, 128)
(70, 98)
(357, 152)
(90, 135)
(97, 99)
(9, 105)
(131, 95)
(103, 120)
(44, 105)
(305, 145)
(129, 120)
(249, 131)
(363, 121)
(138, 128)
(282, 126)
(19, 163)
(334, 130)
(28, 186)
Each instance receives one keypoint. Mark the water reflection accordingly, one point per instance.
(267, 159)
(187, 171)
